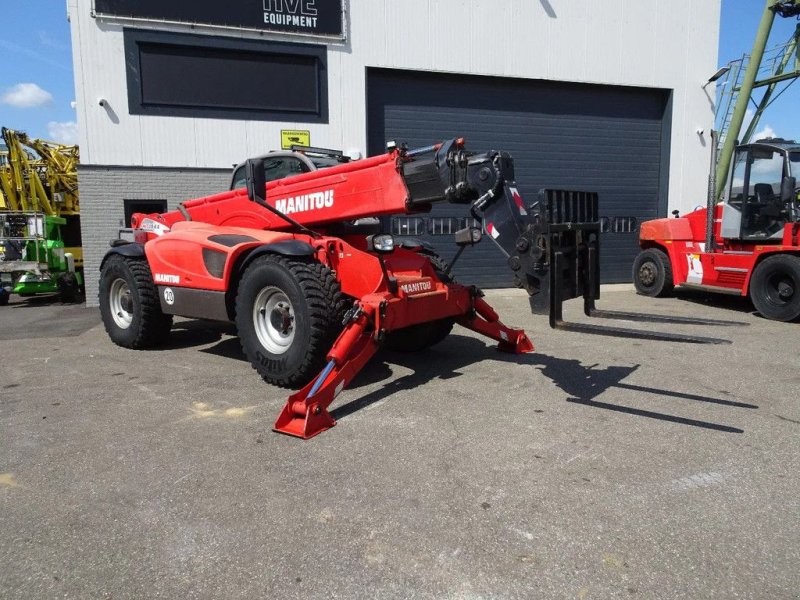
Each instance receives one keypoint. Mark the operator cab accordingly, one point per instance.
(763, 194)
(287, 163)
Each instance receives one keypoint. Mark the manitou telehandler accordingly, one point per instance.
(748, 245)
(311, 284)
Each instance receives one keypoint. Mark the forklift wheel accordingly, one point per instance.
(652, 273)
(288, 314)
(4, 296)
(129, 304)
(775, 287)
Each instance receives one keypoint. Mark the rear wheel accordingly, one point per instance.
(424, 335)
(129, 304)
(775, 287)
(4, 296)
(652, 273)
(288, 313)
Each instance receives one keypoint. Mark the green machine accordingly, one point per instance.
(34, 258)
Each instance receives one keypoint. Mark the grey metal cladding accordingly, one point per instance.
(609, 139)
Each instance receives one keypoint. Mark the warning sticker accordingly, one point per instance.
(695, 274)
(294, 137)
(518, 201)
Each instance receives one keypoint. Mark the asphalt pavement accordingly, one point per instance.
(596, 467)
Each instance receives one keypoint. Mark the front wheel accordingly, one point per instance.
(129, 304)
(652, 273)
(775, 287)
(288, 313)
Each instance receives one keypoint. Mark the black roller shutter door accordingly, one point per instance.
(613, 140)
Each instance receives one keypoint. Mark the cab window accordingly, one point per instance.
(763, 214)
(737, 185)
(276, 167)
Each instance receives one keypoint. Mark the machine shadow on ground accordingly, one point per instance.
(18, 302)
(583, 384)
(734, 303)
(191, 333)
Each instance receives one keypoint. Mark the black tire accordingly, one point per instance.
(424, 335)
(4, 297)
(68, 288)
(775, 287)
(288, 314)
(652, 273)
(129, 304)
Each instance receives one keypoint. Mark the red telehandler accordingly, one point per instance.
(311, 306)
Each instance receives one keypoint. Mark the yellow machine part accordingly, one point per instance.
(47, 183)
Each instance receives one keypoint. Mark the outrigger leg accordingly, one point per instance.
(305, 413)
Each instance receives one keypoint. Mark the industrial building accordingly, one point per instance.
(606, 96)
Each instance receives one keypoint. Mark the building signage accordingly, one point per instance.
(313, 17)
(295, 137)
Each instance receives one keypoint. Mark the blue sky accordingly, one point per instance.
(35, 49)
(740, 19)
(36, 84)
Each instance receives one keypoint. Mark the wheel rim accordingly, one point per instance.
(647, 274)
(273, 320)
(121, 303)
(781, 288)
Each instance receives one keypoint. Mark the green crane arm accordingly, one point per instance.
(746, 90)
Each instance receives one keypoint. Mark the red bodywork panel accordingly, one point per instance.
(727, 268)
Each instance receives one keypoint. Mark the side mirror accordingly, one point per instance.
(788, 187)
(256, 180)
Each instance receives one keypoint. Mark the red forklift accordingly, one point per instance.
(749, 244)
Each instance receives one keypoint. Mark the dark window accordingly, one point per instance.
(408, 226)
(201, 76)
(274, 168)
(449, 225)
(143, 206)
(619, 224)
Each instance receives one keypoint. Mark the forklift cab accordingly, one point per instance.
(763, 194)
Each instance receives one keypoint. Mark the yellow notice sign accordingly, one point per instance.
(292, 137)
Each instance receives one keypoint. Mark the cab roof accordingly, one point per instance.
(776, 143)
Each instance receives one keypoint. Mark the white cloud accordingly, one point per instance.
(26, 95)
(766, 132)
(63, 133)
